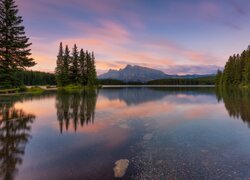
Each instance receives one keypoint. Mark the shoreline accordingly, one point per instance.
(44, 89)
(171, 86)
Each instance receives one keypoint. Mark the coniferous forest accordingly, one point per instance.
(76, 67)
(35, 78)
(236, 71)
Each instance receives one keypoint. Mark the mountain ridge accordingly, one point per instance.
(137, 73)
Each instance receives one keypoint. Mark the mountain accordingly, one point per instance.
(134, 74)
(141, 74)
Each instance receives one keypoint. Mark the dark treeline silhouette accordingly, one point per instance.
(236, 71)
(33, 78)
(237, 103)
(76, 68)
(14, 45)
(209, 80)
(76, 108)
(15, 126)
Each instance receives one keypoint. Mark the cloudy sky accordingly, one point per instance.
(176, 36)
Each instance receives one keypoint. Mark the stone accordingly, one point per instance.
(124, 126)
(121, 167)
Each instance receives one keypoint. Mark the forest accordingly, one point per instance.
(236, 71)
(35, 78)
(209, 80)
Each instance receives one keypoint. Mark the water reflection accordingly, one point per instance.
(77, 108)
(165, 133)
(136, 96)
(15, 126)
(237, 103)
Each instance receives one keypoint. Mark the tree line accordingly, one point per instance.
(77, 67)
(35, 78)
(236, 71)
(208, 80)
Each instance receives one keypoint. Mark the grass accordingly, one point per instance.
(39, 90)
(35, 90)
(22, 90)
(73, 88)
(9, 91)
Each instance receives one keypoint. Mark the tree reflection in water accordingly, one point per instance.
(76, 107)
(237, 103)
(15, 126)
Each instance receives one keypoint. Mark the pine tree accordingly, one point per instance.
(83, 69)
(93, 69)
(73, 70)
(66, 61)
(218, 78)
(90, 70)
(246, 73)
(59, 66)
(14, 45)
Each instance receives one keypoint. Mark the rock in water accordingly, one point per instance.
(147, 136)
(121, 167)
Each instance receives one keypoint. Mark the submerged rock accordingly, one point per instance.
(147, 136)
(124, 126)
(121, 167)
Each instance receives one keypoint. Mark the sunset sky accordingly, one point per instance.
(176, 36)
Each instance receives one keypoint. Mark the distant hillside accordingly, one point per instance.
(142, 74)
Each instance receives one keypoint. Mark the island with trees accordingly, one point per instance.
(76, 69)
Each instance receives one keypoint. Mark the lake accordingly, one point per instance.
(164, 133)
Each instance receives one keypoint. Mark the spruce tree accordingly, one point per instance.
(14, 45)
(93, 68)
(74, 71)
(59, 66)
(83, 69)
(88, 66)
(66, 62)
(218, 78)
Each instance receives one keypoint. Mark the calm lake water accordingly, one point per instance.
(165, 133)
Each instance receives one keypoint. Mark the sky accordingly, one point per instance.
(175, 36)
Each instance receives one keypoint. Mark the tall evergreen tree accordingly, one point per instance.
(66, 61)
(14, 45)
(218, 78)
(74, 69)
(59, 66)
(83, 69)
(89, 69)
(93, 69)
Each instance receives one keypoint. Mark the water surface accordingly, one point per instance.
(165, 133)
